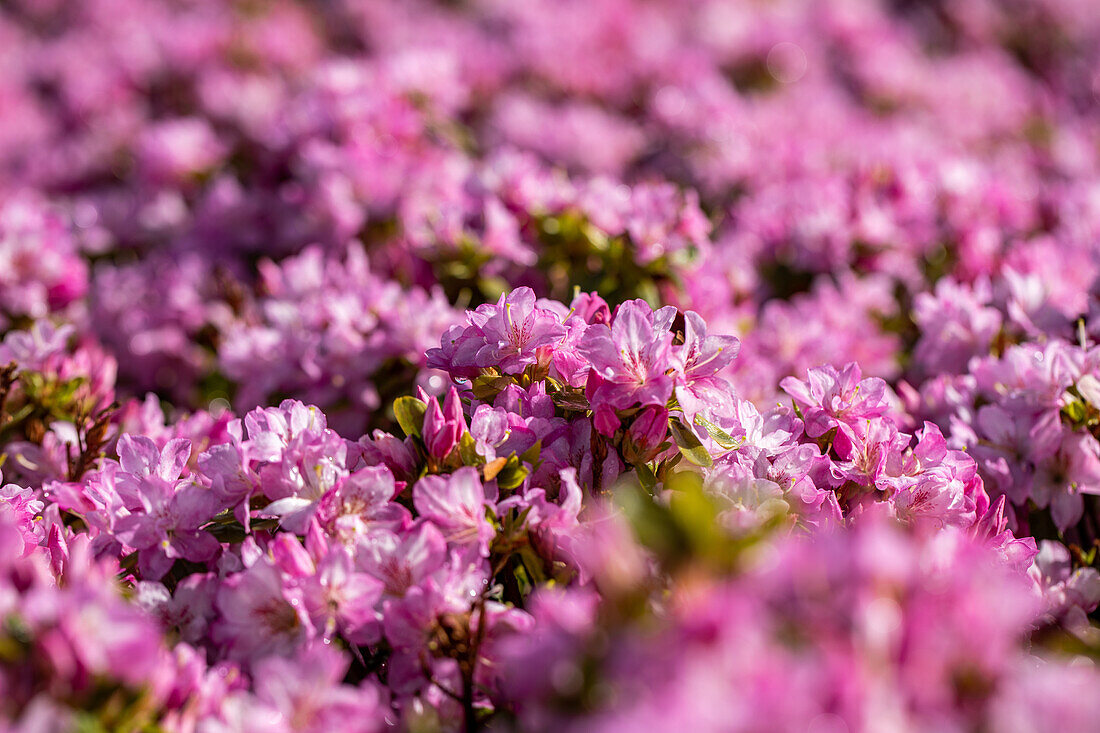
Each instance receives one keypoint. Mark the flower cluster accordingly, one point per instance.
(856, 630)
(569, 364)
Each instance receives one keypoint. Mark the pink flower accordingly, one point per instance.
(258, 616)
(633, 357)
(443, 428)
(499, 433)
(21, 507)
(402, 561)
(831, 398)
(165, 513)
(341, 599)
(456, 504)
(700, 359)
(307, 691)
(507, 335)
(645, 435)
(361, 503)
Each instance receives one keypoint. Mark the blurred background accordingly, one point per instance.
(241, 201)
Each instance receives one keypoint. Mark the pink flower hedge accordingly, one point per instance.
(607, 365)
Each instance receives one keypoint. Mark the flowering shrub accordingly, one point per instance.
(602, 365)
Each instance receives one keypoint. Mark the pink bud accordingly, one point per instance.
(316, 539)
(443, 428)
(58, 550)
(606, 420)
(452, 411)
(591, 307)
(645, 435)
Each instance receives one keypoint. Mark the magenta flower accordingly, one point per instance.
(361, 503)
(166, 513)
(499, 433)
(633, 357)
(645, 434)
(992, 530)
(931, 485)
(381, 448)
(511, 332)
(456, 504)
(591, 308)
(831, 398)
(552, 526)
(937, 497)
(443, 428)
(21, 508)
(701, 358)
(341, 599)
(307, 690)
(1062, 480)
(402, 561)
(1070, 593)
(258, 615)
(456, 353)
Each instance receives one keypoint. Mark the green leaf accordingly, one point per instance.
(532, 563)
(653, 525)
(467, 450)
(410, 414)
(492, 287)
(720, 436)
(489, 385)
(690, 445)
(531, 455)
(513, 473)
(646, 476)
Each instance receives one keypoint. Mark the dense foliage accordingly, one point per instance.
(565, 365)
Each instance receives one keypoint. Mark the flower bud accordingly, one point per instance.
(645, 435)
(591, 307)
(443, 428)
(606, 420)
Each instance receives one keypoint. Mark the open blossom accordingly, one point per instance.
(456, 504)
(453, 366)
(258, 615)
(1062, 480)
(514, 330)
(936, 496)
(932, 484)
(360, 503)
(21, 508)
(1070, 593)
(402, 561)
(165, 512)
(295, 457)
(956, 323)
(507, 335)
(702, 357)
(341, 599)
(632, 360)
(38, 348)
(40, 268)
(282, 537)
(308, 692)
(830, 398)
(499, 432)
